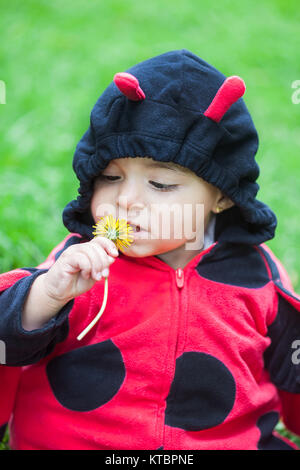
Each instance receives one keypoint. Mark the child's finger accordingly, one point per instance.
(98, 257)
(107, 244)
(81, 262)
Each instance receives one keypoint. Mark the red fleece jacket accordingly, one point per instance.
(203, 357)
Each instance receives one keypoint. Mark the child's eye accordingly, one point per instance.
(108, 177)
(163, 187)
(159, 186)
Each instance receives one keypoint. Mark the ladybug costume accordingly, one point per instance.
(200, 357)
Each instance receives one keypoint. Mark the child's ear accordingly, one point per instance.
(223, 204)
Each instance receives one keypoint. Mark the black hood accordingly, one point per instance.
(170, 125)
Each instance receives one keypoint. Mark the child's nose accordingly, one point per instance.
(131, 193)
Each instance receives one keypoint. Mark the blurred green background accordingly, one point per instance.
(57, 57)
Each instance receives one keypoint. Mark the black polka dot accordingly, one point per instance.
(268, 441)
(237, 265)
(87, 377)
(202, 393)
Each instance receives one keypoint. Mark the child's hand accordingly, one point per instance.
(79, 267)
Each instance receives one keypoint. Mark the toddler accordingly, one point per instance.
(197, 345)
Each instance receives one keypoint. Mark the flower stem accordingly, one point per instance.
(93, 322)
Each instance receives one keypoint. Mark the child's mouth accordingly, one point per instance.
(135, 228)
(138, 231)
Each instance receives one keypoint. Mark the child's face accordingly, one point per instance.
(171, 206)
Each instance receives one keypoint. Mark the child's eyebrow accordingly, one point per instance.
(170, 166)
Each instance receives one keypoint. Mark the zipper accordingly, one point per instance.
(179, 276)
(179, 279)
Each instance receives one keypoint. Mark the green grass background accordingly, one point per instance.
(57, 57)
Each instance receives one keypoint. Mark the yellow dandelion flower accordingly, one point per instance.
(119, 231)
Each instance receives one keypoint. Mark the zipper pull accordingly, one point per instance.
(179, 277)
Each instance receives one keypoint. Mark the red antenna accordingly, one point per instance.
(228, 93)
(129, 86)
